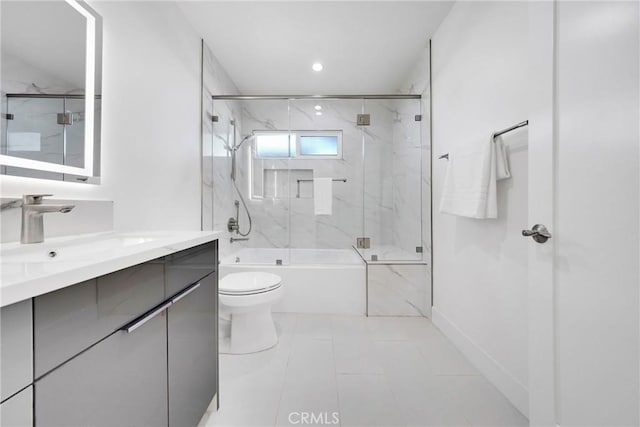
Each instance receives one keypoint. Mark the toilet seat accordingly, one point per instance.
(248, 283)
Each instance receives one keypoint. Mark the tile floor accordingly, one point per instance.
(376, 371)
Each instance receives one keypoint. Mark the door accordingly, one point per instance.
(584, 186)
(392, 180)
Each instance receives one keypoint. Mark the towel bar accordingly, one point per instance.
(311, 180)
(496, 134)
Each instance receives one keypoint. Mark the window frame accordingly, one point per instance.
(294, 149)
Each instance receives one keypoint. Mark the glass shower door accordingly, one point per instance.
(397, 276)
(393, 177)
(263, 170)
(326, 143)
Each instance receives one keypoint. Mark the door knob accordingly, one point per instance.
(539, 233)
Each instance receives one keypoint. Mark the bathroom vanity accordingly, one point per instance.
(133, 346)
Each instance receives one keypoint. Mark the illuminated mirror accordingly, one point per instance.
(51, 90)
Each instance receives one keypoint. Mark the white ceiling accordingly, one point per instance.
(268, 47)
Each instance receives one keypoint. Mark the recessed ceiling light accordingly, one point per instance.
(318, 113)
(318, 107)
(317, 66)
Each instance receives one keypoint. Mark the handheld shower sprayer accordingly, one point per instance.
(234, 151)
(233, 224)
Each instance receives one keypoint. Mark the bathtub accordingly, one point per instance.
(323, 281)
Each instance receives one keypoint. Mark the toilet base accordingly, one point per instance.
(252, 331)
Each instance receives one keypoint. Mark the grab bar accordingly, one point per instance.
(310, 180)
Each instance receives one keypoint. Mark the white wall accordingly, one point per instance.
(479, 76)
(596, 226)
(151, 120)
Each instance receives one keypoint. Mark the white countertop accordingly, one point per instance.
(29, 270)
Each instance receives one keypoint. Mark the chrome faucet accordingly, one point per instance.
(32, 230)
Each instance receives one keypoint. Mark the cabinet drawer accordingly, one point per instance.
(18, 411)
(16, 359)
(70, 320)
(186, 267)
(121, 381)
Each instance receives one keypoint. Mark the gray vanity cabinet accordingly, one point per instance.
(192, 348)
(192, 333)
(120, 381)
(16, 358)
(71, 319)
(137, 347)
(17, 410)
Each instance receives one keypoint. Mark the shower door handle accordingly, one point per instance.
(538, 232)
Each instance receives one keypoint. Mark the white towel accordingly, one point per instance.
(470, 181)
(502, 161)
(322, 196)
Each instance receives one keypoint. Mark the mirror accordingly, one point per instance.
(51, 90)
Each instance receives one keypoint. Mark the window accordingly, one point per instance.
(320, 145)
(272, 144)
(300, 144)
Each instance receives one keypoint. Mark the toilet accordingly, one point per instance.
(247, 299)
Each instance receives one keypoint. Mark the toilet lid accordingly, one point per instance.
(248, 283)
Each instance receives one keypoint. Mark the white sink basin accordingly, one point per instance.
(72, 250)
(33, 269)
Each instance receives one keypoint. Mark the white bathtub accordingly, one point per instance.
(331, 281)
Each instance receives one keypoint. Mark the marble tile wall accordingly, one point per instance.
(291, 221)
(398, 290)
(383, 181)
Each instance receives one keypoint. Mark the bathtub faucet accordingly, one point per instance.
(237, 239)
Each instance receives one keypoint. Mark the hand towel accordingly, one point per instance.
(470, 181)
(322, 196)
(502, 161)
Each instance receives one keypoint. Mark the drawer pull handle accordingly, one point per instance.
(145, 318)
(185, 293)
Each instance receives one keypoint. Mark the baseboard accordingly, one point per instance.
(513, 389)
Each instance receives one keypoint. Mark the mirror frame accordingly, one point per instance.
(93, 64)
